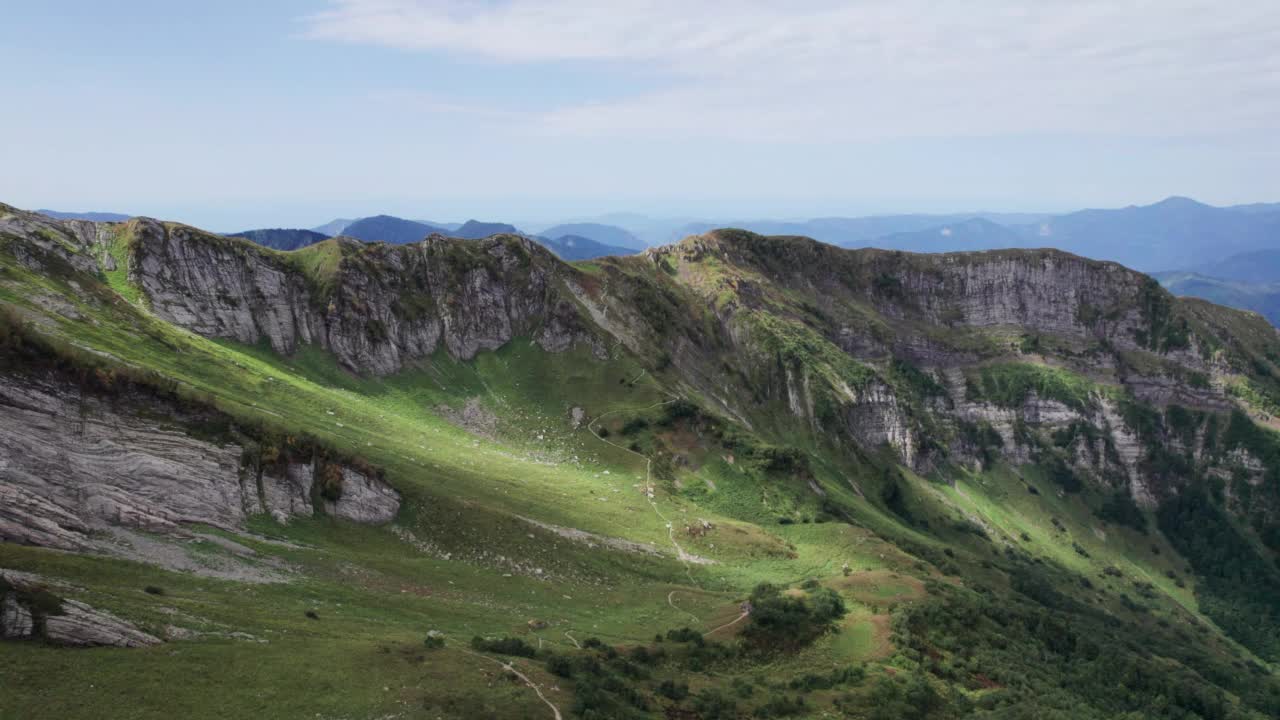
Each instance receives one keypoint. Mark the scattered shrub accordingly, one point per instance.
(503, 646)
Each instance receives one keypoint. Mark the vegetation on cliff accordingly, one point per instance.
(785, 480)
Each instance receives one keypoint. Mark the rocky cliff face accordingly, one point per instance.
(942, 317)
(375, 307)
(1044, 291)
(71, 462)
(843, 328)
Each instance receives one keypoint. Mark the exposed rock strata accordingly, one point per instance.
(70, 462)
(385, 307)
(29, 611)
(82, 626)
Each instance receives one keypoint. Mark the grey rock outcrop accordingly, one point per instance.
(45, 238)
(82, 626)
(70, 462)
(364, 499)
(29, 611)
(384, 306)
(285, 495)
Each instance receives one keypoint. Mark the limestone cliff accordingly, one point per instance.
(887, 348)
(869, 347)
(72, 461)
(375, 307)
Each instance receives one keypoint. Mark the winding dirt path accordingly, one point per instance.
(729, 624)
(672, 603)
(683, 556)
(511, 668)
(573, 640)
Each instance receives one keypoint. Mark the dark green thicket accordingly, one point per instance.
(1088, 665)
(1240, 587)
(779, 620)
(1120, 508)
(983, 438)
(894, 494)
(1154, 432)
(915, 380)
(504, 646)
(1165, 329)
(608, 685)
(1261, 501)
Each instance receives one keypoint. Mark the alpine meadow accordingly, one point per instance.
(698, 411)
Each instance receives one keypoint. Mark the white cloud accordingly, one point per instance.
(817, 70)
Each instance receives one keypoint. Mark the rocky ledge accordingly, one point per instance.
(30, 611)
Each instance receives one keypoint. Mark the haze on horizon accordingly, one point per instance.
(242, 114)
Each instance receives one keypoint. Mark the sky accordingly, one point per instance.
(238, 114)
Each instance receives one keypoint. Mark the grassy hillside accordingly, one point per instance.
(598, 523)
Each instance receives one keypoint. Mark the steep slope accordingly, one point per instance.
(375, 307)
(282, 239)
(990, 483)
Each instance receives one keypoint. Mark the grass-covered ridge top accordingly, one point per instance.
(595, 517)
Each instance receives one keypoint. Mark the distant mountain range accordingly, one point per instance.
(971, 234)
(283, 239)
(91, 216)
(474, 230)
(1174, 233)
(1262, 298)
(1259, 266)
(856, 231)
(576, 247)
(1249, 281)
(334, 227)
(399, 231)
(597, 232)
(1177, 233)
(389, 229)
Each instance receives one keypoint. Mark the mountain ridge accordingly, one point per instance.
(1021, 459)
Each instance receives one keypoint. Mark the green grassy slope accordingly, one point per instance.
(966, 593)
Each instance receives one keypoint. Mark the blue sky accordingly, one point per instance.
(288, 113)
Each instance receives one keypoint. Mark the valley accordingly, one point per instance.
(732, 476)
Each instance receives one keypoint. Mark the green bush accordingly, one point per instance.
(779, 620)
(503, 646)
